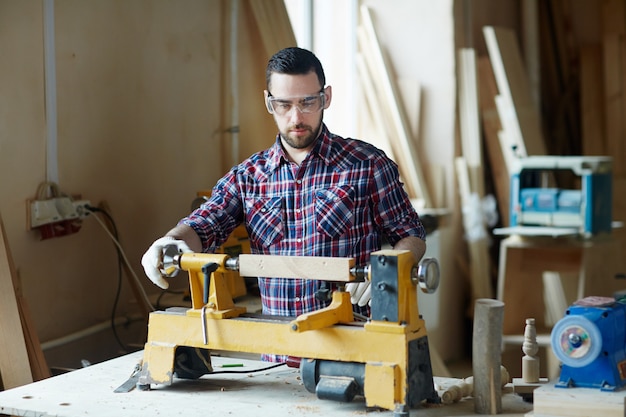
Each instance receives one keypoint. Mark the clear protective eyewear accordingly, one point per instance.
(305, 104)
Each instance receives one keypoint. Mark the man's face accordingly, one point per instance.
(297, 107)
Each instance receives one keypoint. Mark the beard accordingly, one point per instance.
(301, 141)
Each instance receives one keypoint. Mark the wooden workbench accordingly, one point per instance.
(277, 392)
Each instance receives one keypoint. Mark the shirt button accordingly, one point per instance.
(298, 181)
(297, 210)
(299, 240)
(297, 298)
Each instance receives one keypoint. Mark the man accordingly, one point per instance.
(312, 193)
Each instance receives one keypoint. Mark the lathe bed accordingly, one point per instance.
(387, 359)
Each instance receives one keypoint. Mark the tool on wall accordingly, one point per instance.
(386, 359)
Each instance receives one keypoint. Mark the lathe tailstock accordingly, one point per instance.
(385, 359)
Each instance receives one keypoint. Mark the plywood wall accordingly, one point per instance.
(145, 101)
(141, 127)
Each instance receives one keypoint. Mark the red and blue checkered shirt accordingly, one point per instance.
(343, 199)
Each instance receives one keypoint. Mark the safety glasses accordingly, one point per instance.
(305, 104)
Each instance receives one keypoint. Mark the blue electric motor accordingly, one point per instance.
(590, 342)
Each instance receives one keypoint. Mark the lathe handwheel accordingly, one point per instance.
(426, 275)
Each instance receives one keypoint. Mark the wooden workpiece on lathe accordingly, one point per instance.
(307, 267)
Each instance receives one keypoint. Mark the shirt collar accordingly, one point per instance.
(323, 148)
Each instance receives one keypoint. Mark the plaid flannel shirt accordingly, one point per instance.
(341, 201)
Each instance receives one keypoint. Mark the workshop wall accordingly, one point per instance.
(145, 121)
(139, 87)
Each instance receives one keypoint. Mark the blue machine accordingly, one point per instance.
(590, 342)
(587, 209)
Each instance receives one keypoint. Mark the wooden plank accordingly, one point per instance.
(530, 21)
(469, 118)
(411, 96)
(470, 178)
(14, 363)
(592, 101)
(614, 52)
(614, 100)
(38, 364)
(378, 136)
(577, 402)
(556, 84)
(618, 147)
(376, 124)
(509, 70)
(377, 101)
(408, 157)
(475, 235)
(306, 267)
(274, 24)
(491, 126)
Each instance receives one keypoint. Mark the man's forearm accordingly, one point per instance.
(416, 245)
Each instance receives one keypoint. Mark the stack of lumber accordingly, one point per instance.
(393, 130)
(470, 178)
(521, 133)
(512, 129)
(492, 127)
(509, 113)
(274, 25)
(510, 116)
(603, 97)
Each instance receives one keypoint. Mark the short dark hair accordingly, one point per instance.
(294, 61)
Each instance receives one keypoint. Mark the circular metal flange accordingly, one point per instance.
(169, 262)
(426, 274)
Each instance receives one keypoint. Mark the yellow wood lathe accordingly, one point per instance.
(386, 359)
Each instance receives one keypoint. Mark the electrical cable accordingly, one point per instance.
(119, 286)
(158, 305)
(267, 368)
(121, 256)
(122, 253)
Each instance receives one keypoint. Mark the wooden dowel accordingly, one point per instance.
(486, 355)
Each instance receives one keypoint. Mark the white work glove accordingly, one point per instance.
(360, 293)
(154, 256)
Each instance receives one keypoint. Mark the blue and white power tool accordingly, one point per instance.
(590, 342)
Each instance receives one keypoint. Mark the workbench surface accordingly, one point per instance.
(276, 392)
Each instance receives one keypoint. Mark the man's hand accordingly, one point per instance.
(154, 256)
(360, 292)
